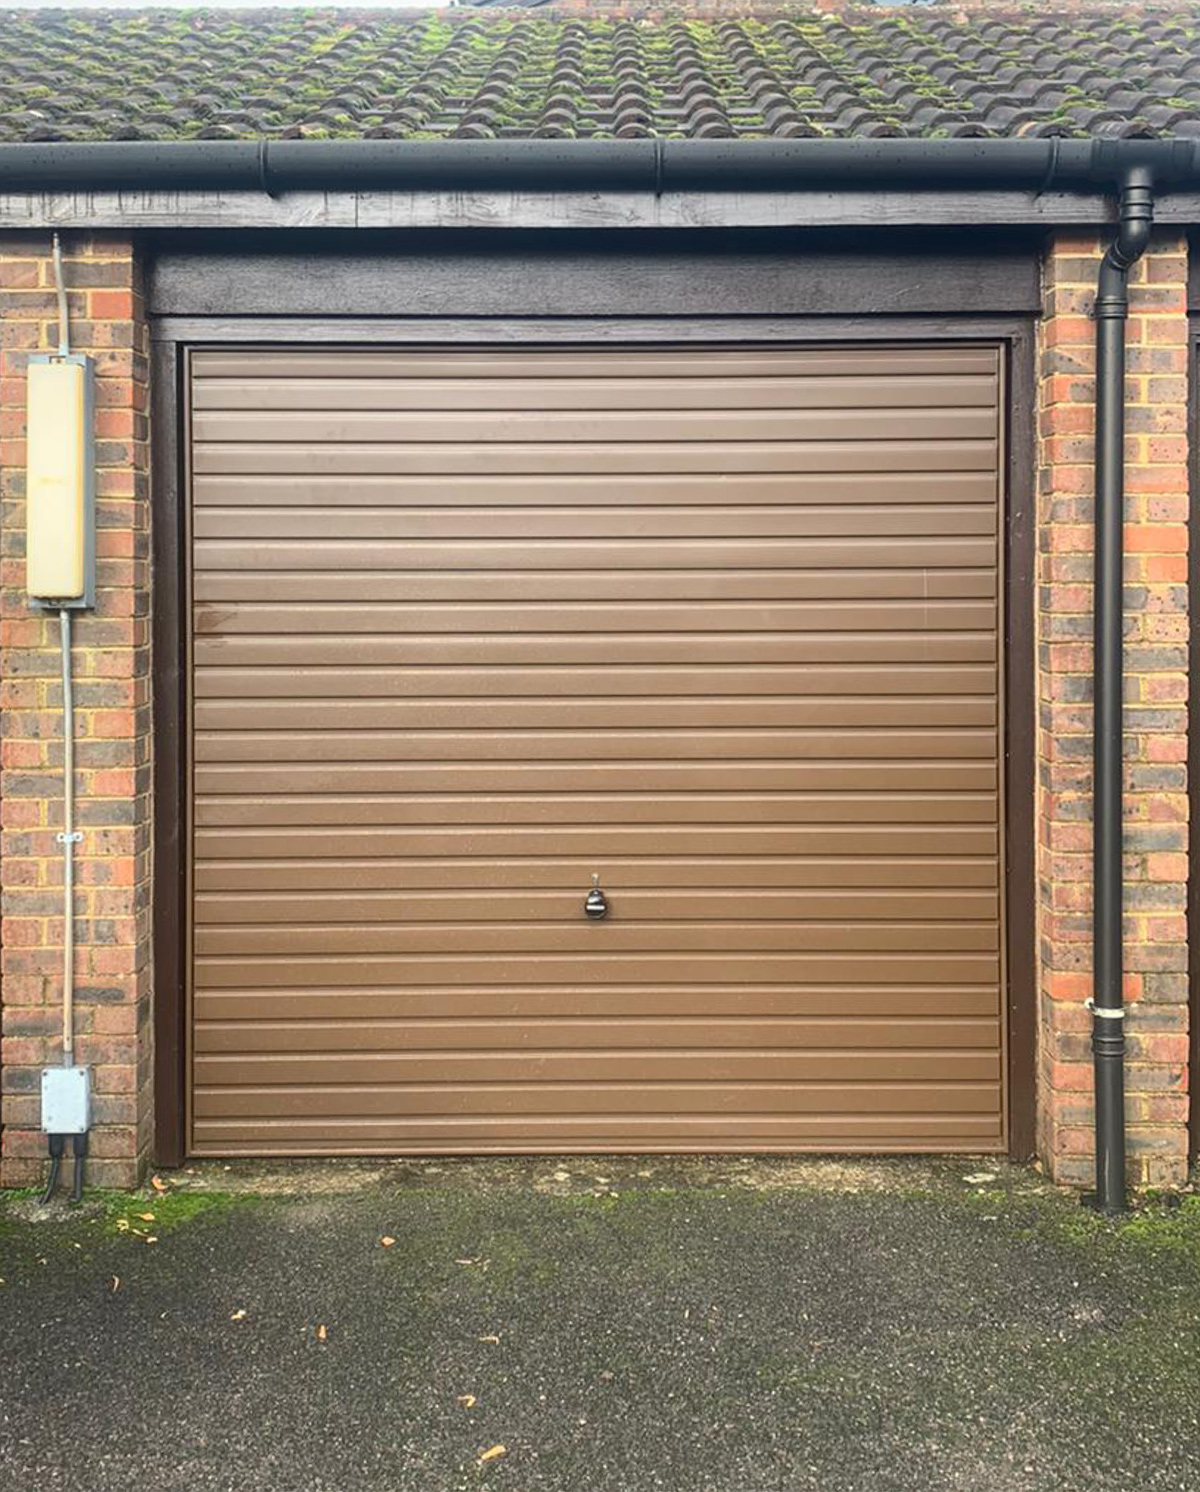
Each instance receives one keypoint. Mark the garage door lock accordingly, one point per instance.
(596, 904)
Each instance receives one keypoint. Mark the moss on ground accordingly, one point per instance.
(139, 1216)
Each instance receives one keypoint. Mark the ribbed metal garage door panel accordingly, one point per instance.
(472, 625)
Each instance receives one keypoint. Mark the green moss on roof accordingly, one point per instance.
(153, 74)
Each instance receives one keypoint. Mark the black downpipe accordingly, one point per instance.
(1108, 1011)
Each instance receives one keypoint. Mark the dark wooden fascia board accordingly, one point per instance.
(566, 210)
(920, 276)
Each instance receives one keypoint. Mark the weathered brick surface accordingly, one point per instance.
(1156, 641)
(112, 670)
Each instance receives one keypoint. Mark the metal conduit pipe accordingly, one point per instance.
(1108, 1010)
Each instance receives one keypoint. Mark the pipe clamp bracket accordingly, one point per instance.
(75, 837)
(1105, 1012)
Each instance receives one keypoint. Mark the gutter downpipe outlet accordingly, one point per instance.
(1106, 1004)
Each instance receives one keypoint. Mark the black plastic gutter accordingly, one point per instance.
(1108, 1010)
(592, 165)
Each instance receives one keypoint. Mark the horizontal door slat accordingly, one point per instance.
(636, 905)
(666, 527)
(497, 492)
(592, 1097)
(766, 390)
(588, 363)
(472, 431)
(262, 782)
(320, 590)
(347, 555)
(630, 680)
(717, 872)
(717, 1012)
(312, 458)
(246, 1071)
(326, 1039)
(576, 935)
(915, 808)
(357, 650)
(232, 842)
(867, 742)
(862, 619)
(600, 969)
(226, 720)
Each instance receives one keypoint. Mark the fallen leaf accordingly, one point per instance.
(562, 1175)
(238, 1316)
(979, 1177)
(467, 1401)
(489, 1339)
(122, 1225)
(386, 1241)
(158, 1183)
(116, 1283)
(493, 1452)
(150, 1239)
(146, 1217)
(322, 1334)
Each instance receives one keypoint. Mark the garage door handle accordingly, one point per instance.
(596, 904)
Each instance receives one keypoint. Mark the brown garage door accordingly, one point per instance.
(720, 626)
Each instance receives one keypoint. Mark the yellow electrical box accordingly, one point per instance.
(60, 495)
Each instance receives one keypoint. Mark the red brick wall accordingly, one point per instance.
(1156, 636)
(112, 669)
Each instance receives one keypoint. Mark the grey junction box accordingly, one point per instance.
(66, 1100)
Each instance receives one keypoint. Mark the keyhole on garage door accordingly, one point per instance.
(596, 904)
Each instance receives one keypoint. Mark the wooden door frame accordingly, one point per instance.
(173, 340)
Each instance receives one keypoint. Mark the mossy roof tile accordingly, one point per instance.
(573, 69)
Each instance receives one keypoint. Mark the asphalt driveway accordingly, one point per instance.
(716, 1326)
